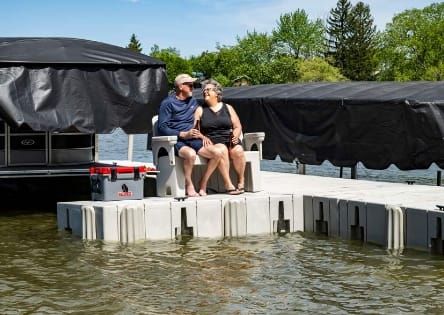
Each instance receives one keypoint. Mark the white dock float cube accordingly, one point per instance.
(321, 215)
(357, 220)
(298, 213)
(416, 236)
(68, 213)
(395, 227)
(183, 218)
(79, 217)
(281, 214)
(376, 223)
(343, 219)
(107, 216)
(209, 218)
(334, 220)
(258, 215)
(235, 217)
(105, 220)
(63, 216)
(131, 222)
(89, 227)
(308, 213)
(158, 219)
(435, 222)
(120, 221)
(85, 218)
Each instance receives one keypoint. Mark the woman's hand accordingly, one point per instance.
(234, 139)
(206, 141)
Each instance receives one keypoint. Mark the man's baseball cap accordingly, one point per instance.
(183, 78)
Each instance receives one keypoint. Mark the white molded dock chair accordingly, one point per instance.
(170, 179)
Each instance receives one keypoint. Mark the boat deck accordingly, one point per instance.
(60, 170)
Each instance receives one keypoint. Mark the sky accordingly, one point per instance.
(190, 26)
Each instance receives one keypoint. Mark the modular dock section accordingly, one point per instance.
(393, 215)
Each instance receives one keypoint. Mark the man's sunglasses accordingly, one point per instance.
(189, 84)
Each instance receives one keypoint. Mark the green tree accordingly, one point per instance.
(361, 45)
(134, 44)
(174, 63)
(412, 45)
(352, 40)
(205, 63)
(227, 59)
(318, 70)
(284, 69)
(296, 36)
(337, 31)
(155, 49)
(252, 57)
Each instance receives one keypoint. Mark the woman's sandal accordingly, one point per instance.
(241, 190)
(233, 191)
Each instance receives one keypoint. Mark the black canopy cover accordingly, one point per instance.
(57, 84)
(376, 123)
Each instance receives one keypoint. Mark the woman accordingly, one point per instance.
(220, 125)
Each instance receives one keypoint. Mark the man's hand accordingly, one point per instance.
(190, 134)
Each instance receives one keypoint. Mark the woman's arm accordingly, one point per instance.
(237, 126)
(197, 116)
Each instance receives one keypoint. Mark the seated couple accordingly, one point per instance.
(211, 131)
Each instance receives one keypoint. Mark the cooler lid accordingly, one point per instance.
(118, 169)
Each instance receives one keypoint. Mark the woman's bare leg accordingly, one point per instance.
(214, 156)
(238, 157)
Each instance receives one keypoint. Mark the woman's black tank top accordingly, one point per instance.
(216, 125)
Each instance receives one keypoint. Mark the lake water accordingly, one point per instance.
(46, 271)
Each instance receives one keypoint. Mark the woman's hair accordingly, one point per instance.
(217, 87)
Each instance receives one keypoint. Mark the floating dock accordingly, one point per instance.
(393, 215)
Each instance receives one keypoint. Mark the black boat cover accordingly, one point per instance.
(59, 84)
(376, 123)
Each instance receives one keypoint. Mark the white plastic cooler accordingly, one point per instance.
(117, 182)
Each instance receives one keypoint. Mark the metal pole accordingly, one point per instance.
(438, 178)
(300, 167)
(130, 147)
(96, 147)
(354, 172)
(340, 171)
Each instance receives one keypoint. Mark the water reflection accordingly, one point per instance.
(43, 270)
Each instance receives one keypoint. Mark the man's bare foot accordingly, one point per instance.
(191, 192)
(202, 192)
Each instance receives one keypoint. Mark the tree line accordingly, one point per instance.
(344, 47)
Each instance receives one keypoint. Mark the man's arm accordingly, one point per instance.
(165, 115)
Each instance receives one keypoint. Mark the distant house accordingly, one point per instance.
(242, 80)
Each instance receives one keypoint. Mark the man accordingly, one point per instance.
(176, 118)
